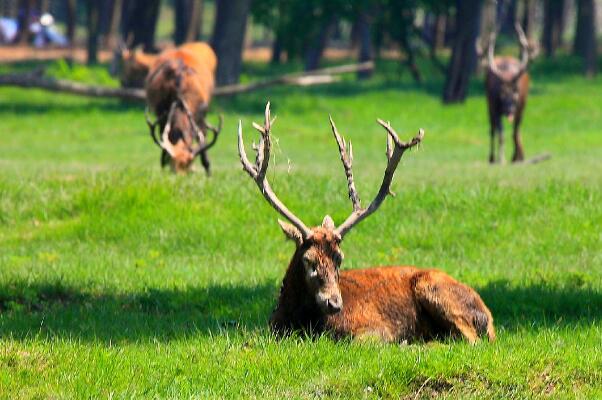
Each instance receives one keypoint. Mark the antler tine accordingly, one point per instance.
(216, 132)
(152, 126)
(347, 159)
(524, 45)
(258, 171)
(393, 159)
(490, 53)
(165, 143)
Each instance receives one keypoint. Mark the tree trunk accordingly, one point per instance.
(26, 7)
(506, 12)
(315, 49)
(93, 20)
(439, 39)
(187, 20)
(228, 38)
(405, 30)
(195, 27)
(528, 19)
(112, 35)
(366, 52)
(585, 36)
(71, 20)
(276, 50)
(553, 26)
(139, 23)
(463, 60)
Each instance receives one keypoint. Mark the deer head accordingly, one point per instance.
(318, 256)
(174, 138)
(135, 66)
(509, 74)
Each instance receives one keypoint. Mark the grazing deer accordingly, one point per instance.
(179, 86)
(507, 86)
(391, 303)
(136, 64)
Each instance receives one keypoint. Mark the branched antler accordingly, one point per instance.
(347, 159)
(203, 144)
(395, 150)
(524, 46)
(259, 169)
(164, 142)
(215, 132)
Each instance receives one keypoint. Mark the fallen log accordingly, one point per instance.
(315, 77)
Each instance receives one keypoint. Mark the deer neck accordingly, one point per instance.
(296, 308)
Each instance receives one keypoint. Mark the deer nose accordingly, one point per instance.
(334, 304)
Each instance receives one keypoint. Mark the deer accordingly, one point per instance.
(179, 88)
(136, 64)
(390, 303)
(507, 87)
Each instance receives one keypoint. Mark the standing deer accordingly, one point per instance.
(179, 86)
(394, 304)
(507, 86)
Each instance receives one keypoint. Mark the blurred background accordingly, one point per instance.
(425, 39)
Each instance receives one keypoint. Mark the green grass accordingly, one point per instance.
(121, 280)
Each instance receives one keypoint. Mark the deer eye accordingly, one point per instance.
(337, 258)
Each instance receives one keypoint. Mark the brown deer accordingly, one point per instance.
(179, 87)
(136, 64)
(394, 304)
(507, 86)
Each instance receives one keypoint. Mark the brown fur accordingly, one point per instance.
(394, 304)
(186, 73)
(506, 96)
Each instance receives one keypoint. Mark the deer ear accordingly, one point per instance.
(291, 232)
(328, 223)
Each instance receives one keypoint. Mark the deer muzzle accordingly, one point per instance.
(330, 301)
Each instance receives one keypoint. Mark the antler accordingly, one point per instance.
(203, 146)
(258, 171)
(524, 47)
(395, 150)
(152, 127)
(347, 159)
(490, 53)
(164, 142)
(215, 131)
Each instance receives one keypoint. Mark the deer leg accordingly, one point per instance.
(492, 144)
(500, 148)
(164, 158)
(456, 308)
(519, 154)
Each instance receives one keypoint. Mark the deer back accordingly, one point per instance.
(187, 72)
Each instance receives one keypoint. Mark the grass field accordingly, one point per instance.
(121, 280)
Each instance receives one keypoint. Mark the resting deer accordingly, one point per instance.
(394, 304)
(507, 86)
(179, 86)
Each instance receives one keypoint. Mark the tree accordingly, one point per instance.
(93, 22)
(187, 20)
(25, 9)
(112, 31)
(316, 45)
(139, 22)
(71, 20)
(585, 35)
(553, 26)
(528, 18)
(463, 59)
(228, 38)
(364, 36)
